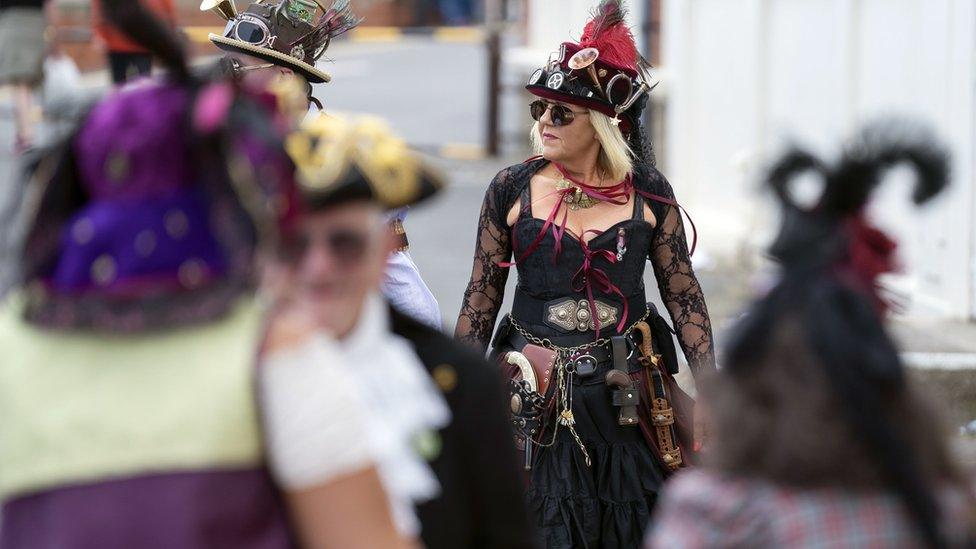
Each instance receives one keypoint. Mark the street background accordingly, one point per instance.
(740, 79)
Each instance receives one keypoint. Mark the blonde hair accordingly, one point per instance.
(616, 157)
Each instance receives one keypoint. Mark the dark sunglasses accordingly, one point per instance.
(347, 246)
(560, 115)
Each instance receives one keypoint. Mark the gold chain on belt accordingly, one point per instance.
(548, 344)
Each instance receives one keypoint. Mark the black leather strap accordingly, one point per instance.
(626, 398)
(620, 351)
(657, 384)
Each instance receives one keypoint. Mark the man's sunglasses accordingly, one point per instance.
(560, 115)
(239, 69)
(347, 246)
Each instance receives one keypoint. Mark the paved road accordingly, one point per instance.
(431, 92)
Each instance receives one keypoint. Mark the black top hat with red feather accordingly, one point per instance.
(603, 71)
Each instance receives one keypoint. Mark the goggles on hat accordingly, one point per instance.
(249, 28)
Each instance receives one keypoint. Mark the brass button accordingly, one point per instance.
(445, 377)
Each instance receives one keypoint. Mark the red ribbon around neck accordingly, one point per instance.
(618, 194)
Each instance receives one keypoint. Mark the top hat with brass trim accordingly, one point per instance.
(289, 33)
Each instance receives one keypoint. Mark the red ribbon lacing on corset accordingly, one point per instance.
(588, 275)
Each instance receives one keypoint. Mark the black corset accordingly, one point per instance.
(545, 276)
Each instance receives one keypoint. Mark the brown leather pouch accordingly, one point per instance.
(543, 361)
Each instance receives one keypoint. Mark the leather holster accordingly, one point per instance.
(626, 395)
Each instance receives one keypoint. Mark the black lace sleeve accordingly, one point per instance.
(486, 289)
(680, 291)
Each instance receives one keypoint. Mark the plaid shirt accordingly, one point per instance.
(702, 509)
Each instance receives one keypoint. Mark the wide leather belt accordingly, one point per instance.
(569, 314)
(589, 366)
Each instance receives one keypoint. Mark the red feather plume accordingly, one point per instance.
(608, 32)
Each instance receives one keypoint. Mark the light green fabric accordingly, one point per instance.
(77, 408)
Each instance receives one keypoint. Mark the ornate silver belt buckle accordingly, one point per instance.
(570, 314)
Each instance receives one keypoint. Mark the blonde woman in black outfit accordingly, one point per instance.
(579, 222)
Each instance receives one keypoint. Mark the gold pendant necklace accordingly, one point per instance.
(577, 200)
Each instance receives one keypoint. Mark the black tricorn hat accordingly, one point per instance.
(341, 161)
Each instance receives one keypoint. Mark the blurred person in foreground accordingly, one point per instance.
(289, 36)
(128, 386)
(127, 59)
(602, 420)
(820, 437)
(23, 28)
(454, 479)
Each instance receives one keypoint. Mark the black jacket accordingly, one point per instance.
(482, 502)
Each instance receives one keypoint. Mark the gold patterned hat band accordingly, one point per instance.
(340, 160)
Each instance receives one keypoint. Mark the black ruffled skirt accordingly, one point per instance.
(606, 505)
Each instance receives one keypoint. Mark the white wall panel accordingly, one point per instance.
(713, 91)
(748, 77)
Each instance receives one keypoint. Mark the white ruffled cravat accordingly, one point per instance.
(403, 406)
(332, 408)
